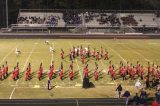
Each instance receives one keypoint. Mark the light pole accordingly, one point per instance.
(7, 13)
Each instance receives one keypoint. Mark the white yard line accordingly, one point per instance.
(52, 58)
(33, 52)
(52, 52)
(139, 54)
(77, 65)
(12, 50)
(10, 97)
(27, 60)
(79, 70)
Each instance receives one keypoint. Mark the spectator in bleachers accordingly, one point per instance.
(72, 18)
(111, 20)
(51, 20)
(129, 20)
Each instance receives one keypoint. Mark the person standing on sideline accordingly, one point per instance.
(119, 89)
(137, 85)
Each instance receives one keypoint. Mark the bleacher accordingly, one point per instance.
(90, 19)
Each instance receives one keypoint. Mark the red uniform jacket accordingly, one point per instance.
(149, 69)
(96, 74)
(86, 72)
(71, 74)
(61, 73)
(6, 69)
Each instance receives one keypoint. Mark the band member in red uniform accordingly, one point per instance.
(50, 74)
(82, 58)
(113, 74)
(28, 72)
(120, 67)
(13, 74)
(28, 77)
(61, 71)
(3, 72)
(29, 67)
(128, 67)
(106, 55)
(62, 54)
(71, 73)
(110, 67)
(132, 72)
(40, 72)
(6, 69)
(86, 71)
(96, 74)
(153, 73)
(97, 56)
(123, 73)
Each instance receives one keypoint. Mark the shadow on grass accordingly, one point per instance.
(76, 75)
(91, 75)
(21, 75)
(65, 75)
(44, 75)
(10, 73)
(32, 75)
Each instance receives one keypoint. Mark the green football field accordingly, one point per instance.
(36, 51)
